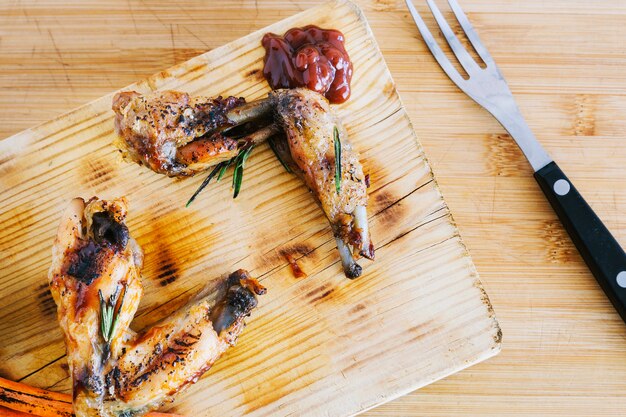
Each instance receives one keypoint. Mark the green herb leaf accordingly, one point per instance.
(240, 163)
(220, 169)
(117, 316)
(225, 166)
(337, 160)
(206, 182)
(105, 321)
(273, 147)
(108, 316)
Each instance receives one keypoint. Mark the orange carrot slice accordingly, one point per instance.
(24, 400)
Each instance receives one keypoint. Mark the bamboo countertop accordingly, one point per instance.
(564, 350)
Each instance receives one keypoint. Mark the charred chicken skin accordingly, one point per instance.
(95, 282)
(304, 129)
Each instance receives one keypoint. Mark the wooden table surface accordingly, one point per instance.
(564, 348)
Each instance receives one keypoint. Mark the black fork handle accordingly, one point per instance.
(604, 256)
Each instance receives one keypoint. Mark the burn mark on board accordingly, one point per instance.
(387, 208)
(45, 301)
(168, 271)
(357, 308)
(255, 74)
(358, 314)
(96, 172)
(423, 329)
(170, 240)
(319, 293)
(196, 68)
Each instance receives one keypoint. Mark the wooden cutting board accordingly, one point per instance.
(320, 344)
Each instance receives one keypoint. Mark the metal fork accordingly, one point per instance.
(486, 86)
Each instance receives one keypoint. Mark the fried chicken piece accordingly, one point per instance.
(95, 282)
(309, 125)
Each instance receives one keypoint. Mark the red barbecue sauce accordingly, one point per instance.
(309, 57)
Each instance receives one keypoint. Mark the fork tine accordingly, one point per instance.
(471, 33)
(441, 58)
(459, 50)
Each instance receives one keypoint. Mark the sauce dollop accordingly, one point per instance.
(309, 57)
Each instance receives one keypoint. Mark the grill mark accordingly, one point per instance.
(253, 73)
(319, 293)
(45, 302)
(357, 308)
(169, 270)
(393, 210)
(96, 172)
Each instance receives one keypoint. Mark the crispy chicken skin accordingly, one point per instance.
(153, 128)
(96, 263)
(309, 123)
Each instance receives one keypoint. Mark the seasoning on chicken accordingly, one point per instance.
(95, 282)
(314, 139)
(175, 134)
(307, 134)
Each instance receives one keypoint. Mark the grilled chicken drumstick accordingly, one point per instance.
(311, 129)
(95, 282)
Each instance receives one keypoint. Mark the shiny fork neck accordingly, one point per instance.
(488, 88)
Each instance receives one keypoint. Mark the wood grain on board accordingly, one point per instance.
(320, 344)
(564, 350)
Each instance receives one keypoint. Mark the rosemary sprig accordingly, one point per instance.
(270, 141)
(108, 316)
(337, 160)
(221, 166)
(240, 163)
(223, 169)
(220, 169)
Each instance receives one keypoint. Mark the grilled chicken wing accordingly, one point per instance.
(175, 134)
(93, 257)
(309, 125)
(95, 282)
